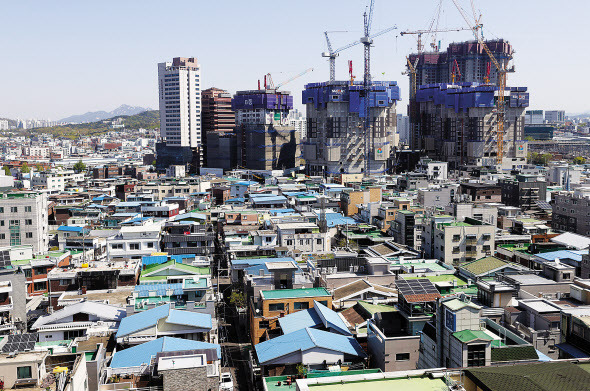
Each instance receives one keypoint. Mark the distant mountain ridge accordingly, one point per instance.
(93, 116)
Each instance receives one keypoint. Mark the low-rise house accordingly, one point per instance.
(272, 304)
(313, 348)
(134, 242)
(164, 320)
(77, 320)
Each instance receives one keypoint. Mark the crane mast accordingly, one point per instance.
(501, 83)
(366, 40)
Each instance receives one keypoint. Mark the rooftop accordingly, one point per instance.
(294, 293)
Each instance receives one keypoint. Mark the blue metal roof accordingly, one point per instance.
(259, 261)
(318, 315)
(142, 320)
(188, 318)
(142, 354)
(68, 228)
(153, 259)
(306, 339)
(160, 289)
(331, 318)
(299, 320)
(235, 200)
(563, 254)
(268, 200)
(334, 219)
(276, 212)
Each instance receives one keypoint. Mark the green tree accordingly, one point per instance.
(80, 167)
(25, 168)
(579, 160)
(7, 171)
(154, 163)
(38, 167)
(237, 298)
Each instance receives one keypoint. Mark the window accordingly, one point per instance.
(28, 273)
(1, 223)
(324, 302)
(566, 276)
(133, 246)
(456, 250)
(14, 223)
(117, 246)
(40, 286)
(14, 209)
(29, 235)
(24, 373)
(28, 222)
(456, 238)
(263, 324)
(64, 282)
(2, 236)
(150, 245)
(319, 241)
(301, 305)
(476, 355)
(28, 209)
(289, 242)
(402, 357)
(486, 237)
(1, 209)
(276, 307)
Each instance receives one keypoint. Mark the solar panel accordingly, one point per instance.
(20, 343)
(420, 286)
(543, 205)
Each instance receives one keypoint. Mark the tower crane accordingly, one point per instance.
(352, 77)
(433, 44)
(332, 54)
(268, 83)
(294, 77)
(501, 83)
(367, 40)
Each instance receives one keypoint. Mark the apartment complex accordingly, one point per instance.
(571, 211)
(179, 83)
(455, 242)
(23, 220)
(523, 191)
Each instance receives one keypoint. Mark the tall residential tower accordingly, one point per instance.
(180, 113)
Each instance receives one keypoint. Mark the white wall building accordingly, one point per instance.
(23, 220)
(134, 242)
(179, 84)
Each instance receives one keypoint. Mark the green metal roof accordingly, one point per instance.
(294, 293)
(471, 335)
(441, 278)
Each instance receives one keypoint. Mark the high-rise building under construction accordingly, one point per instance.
(335, 142)
(265, 140)
(453, 106)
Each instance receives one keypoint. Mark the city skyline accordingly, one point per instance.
(80, 57)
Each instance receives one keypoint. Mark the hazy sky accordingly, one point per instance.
(68, 57)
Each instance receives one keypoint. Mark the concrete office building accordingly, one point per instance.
(265, 141)
(335, 141)
(179, 84)
(555, 116)
(23, 220)
(533, 117)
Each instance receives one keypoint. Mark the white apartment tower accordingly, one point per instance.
(179, 85)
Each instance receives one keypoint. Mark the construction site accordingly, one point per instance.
(264, 139)
(336, 139)
(457, 124)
